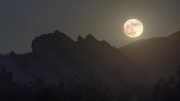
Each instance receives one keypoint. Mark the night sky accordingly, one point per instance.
(22, 20)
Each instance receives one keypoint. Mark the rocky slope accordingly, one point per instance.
(56, 58)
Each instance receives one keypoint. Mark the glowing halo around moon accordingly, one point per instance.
(133, 28)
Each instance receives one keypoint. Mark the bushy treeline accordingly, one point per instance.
(95, 91)
(168, 90)
(163, 90)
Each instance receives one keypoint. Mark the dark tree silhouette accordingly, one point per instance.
(168, 90)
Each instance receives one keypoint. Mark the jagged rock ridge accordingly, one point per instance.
(56, 58)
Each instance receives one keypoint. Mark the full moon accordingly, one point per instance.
(133, 28)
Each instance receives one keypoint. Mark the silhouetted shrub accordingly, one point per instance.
(168, 90)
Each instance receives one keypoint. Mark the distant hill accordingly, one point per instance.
(159, 56)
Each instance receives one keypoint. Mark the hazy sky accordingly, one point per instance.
(22, 20)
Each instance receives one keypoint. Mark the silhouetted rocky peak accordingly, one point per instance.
(80, 38)
(12, 53)
(52, 40)
(91, 42)
(90, 37)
